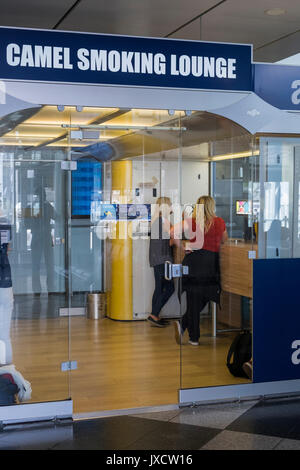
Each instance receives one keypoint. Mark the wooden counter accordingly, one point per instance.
(236, 267)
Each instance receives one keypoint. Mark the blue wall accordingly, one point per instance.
(276, 319)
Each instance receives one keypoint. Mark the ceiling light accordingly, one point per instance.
(275, 12)
(230, 156)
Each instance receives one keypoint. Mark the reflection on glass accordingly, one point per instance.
(160, 252)
(40, 217)
(71, 244)
(138, 166)
(31, 200)
(279, 198)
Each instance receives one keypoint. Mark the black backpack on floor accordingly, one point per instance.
(8, 390)
(239, 352)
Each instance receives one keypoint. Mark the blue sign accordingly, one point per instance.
(42, 55)
(276, 319)
(278, 85)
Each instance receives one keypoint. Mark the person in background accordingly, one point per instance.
(204, 233)
(8, 372)
(160, 251)
(42, 244)
(6, 294)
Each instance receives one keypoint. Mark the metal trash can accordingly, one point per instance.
(96, 305)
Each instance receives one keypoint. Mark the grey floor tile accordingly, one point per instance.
(294, 433)
(174, 436)
(216, 416)
(108, 433)
(160, 415)
(229, 440)
(271, 418)
(288, 444)
(39, 438)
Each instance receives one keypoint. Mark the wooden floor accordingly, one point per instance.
(120, 364)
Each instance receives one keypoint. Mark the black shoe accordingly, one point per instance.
(158, 323)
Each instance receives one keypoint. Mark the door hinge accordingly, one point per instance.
(68, 365)
(252, 254)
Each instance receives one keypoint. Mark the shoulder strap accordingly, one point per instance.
(232, 348)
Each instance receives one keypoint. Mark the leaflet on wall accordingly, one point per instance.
(135, 211)
(104, 211)
(5, 234)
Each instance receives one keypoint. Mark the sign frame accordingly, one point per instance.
(182, 50)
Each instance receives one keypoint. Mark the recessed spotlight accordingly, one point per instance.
(275, 12)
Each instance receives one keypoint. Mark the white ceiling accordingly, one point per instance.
(241, 21)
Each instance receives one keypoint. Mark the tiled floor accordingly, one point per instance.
(272, 424)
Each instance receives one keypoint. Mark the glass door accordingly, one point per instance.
(217, 289)
(40, 331)
(126, 165)
(34, 332)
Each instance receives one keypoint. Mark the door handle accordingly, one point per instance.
(174, 270)
(168, 270)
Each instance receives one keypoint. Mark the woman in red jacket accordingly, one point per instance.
(205, 233)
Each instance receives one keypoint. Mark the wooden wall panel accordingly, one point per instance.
(236, 268)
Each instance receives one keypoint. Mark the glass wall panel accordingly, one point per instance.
(127, 159)
(77, 237)
(224, 304)
(34, 335)
(279, 189)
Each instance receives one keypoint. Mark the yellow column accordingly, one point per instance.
(120, 303)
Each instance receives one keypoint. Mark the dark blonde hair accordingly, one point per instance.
(207, 203)
(162, 203)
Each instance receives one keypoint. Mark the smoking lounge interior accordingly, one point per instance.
(63, 170)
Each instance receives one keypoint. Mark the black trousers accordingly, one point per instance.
(201, 285)
(163, 290)
(196, 301)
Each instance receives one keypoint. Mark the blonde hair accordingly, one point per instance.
(160, 207)
(207, 205)
(163, 200)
